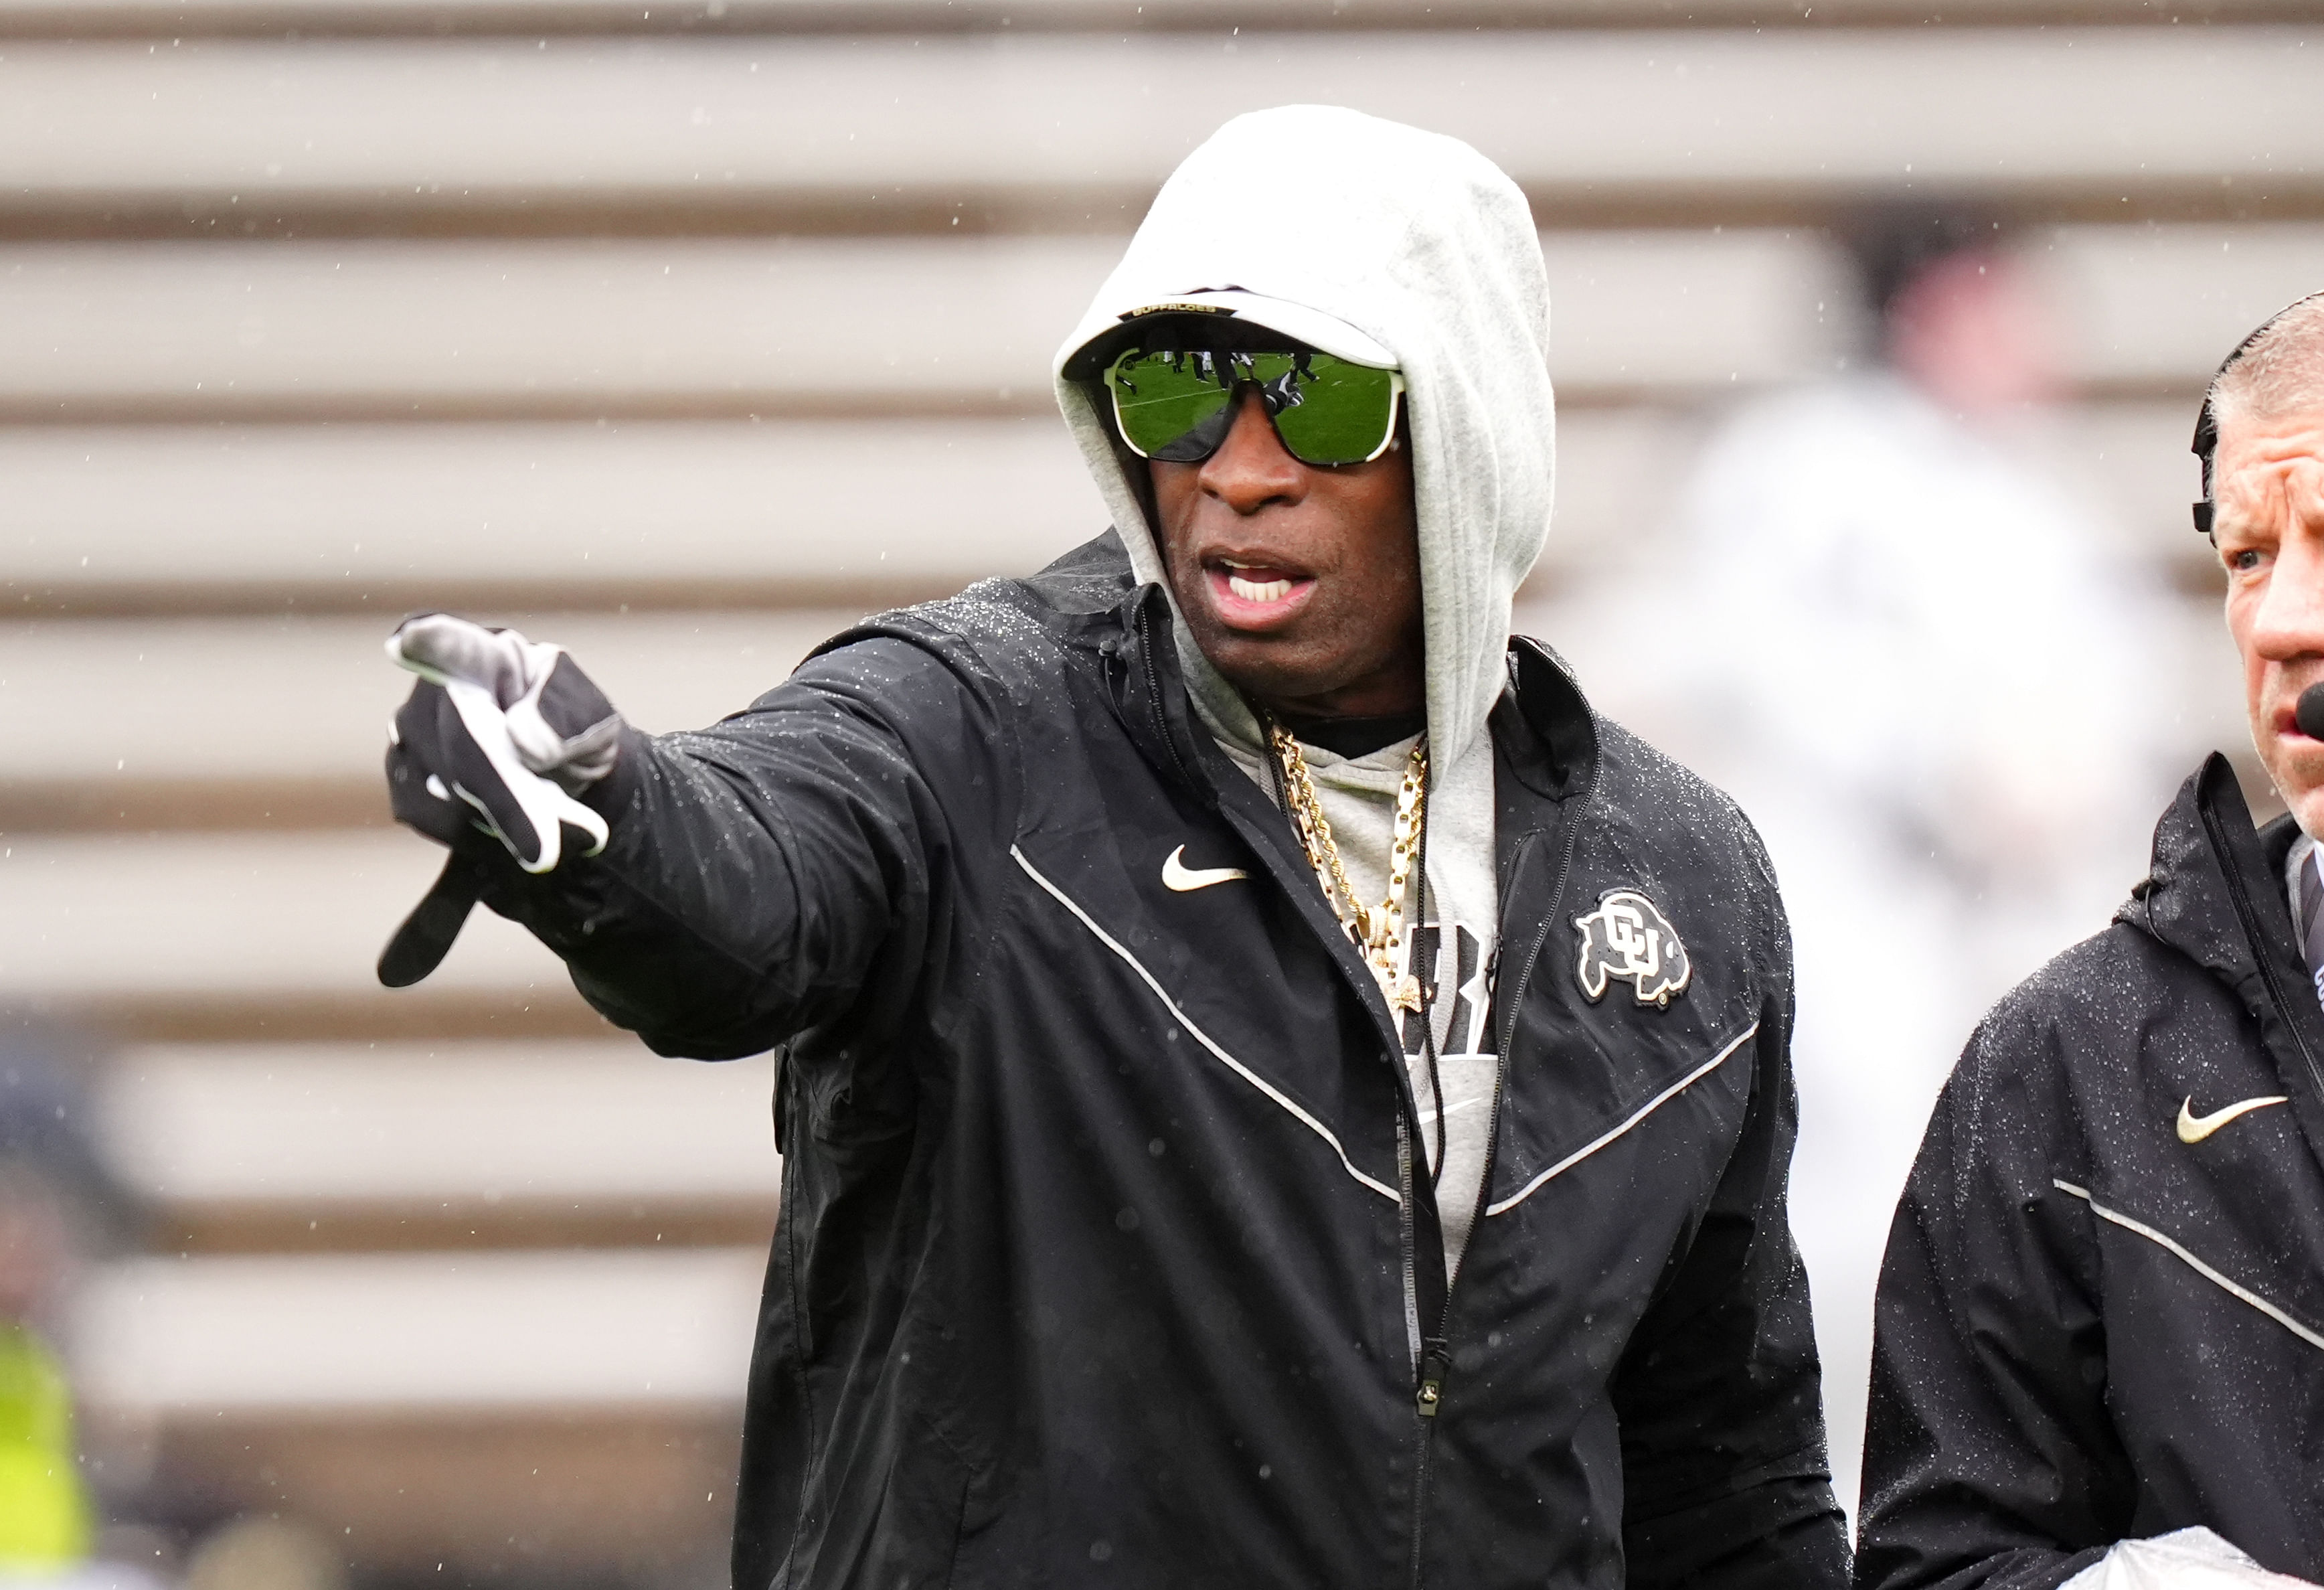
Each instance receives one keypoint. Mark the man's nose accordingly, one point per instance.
(1252, 468)
(2290, 622)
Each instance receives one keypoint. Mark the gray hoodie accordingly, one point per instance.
(1396, 246)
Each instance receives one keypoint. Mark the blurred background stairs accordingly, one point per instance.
(681, 333)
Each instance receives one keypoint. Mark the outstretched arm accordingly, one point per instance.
(752, 874)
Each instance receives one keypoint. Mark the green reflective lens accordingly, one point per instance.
(1176, 406)
(1337, 413)
(1161, 400)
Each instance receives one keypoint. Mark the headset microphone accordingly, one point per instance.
(2310, 713)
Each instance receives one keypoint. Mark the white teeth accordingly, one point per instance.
(1251, 590)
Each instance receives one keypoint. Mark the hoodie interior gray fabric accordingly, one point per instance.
(1423, 244)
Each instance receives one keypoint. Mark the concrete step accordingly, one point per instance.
(381, 519)
(239, 704)
(247, 936)
(1076, 129)
(202, 1337)
(591, 1498)
(260, 1147)
(504, 1418)
(96, 923)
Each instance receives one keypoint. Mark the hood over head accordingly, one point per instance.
(1385, 245)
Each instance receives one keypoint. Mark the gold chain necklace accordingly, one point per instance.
(1377, 930)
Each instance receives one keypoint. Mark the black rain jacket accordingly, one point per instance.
(1101, 1258)
(2089, 1328)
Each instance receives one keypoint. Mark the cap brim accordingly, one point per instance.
(1324, 333)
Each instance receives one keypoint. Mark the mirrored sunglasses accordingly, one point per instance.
(1179, 406)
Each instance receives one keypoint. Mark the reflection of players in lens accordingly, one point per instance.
(1282, 391)
(1175, 403)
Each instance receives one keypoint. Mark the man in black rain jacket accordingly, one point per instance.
(2101, 1316)
(1119, 1239)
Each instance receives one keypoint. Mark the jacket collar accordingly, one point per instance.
(1542, 728)
(1091, 598)
(1150, 693)
(2215, 894)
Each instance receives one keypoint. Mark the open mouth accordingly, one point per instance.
(1253, 593)
(1265, 590)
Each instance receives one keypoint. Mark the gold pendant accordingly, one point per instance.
(1402, 992)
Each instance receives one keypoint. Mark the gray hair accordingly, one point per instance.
(2279, 371)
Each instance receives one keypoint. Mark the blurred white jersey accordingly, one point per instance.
(1900, 615)
(1931, 678)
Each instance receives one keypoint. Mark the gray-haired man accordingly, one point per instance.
(2102, 1315)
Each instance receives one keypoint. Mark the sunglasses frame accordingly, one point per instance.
(1396, 391)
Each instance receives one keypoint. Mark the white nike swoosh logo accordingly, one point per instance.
(2194, 1128)
(1176, 875)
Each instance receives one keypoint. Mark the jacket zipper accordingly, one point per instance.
(1422, 1342)
(1429, 1370)
(1153, 694)
(1436, 1359)
(1408, 1243)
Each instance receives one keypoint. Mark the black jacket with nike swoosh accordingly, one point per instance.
(1101, 1261)
(2090, 1327)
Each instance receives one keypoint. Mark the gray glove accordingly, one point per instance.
(497, 739)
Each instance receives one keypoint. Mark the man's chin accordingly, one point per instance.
(2307, 809)
(1268, 671)
(1268, 679)
(2298, 773)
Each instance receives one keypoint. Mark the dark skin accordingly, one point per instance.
(1326, 621)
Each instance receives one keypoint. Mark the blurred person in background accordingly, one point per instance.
(2101, 1316)
(46, 1522)
(1274, 1090)
(1926, 668)
(59, 1209)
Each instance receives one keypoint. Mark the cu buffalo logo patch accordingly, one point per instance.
(1627, 939)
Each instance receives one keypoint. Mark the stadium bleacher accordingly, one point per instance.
(681, 333)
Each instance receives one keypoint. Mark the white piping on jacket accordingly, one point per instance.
(1645, 1109)
(2192, 1263)
(1201, 1037)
